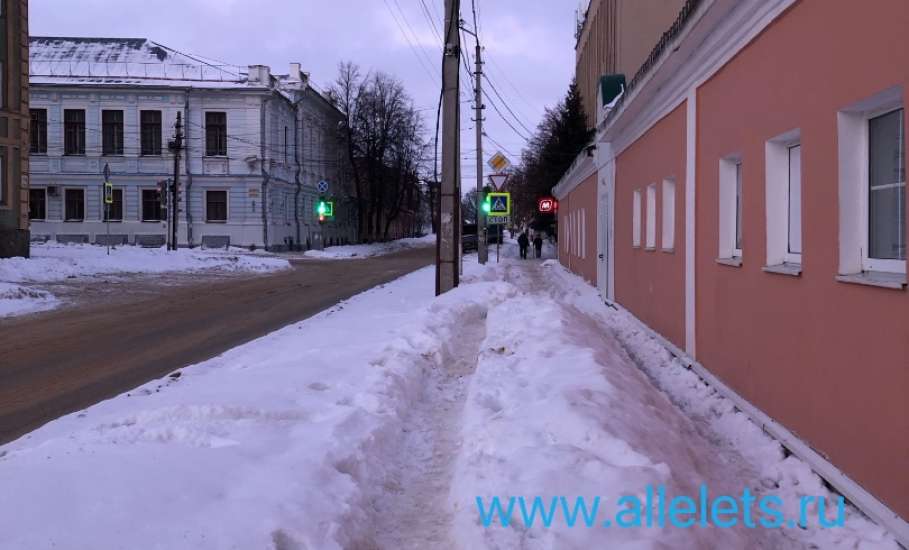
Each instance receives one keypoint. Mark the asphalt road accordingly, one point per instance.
(56, 363)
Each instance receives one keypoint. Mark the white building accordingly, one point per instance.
(256, 147)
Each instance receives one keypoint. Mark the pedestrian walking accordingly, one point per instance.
(523, 244)
(538, 245)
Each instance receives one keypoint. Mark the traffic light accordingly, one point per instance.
(325, 209)
(487, 205)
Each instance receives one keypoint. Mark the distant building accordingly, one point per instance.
(615, 37)
(256, 147)
(14, 128)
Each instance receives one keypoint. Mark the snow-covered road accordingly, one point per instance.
(378, 423)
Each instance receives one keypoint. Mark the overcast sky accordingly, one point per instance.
(528, 45)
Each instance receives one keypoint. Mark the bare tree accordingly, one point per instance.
(385, 145)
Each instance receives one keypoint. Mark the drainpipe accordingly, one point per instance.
(266, 177)
(189, 173)
(298, 172)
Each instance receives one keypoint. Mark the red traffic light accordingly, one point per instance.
(548, 205)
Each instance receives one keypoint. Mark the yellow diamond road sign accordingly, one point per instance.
(499, 162)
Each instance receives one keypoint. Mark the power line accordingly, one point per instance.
(505, 103)
(410, 44)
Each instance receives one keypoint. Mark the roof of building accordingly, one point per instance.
(125, 61)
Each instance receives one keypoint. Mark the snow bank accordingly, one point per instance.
(360, 251)
(558, 409)
(715, 418)
(280, 443)
(295, 440)
(19, 300)
(55, 262)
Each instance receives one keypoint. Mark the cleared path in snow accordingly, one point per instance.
(557, 407)
(413, 512)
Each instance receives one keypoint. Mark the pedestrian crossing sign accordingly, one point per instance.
(499, 204)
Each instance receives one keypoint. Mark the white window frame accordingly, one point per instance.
(854, 156)
(651, 217)
(582, 226)
(728, 213)
(636, 219)
(869, 263)
(226, 205)
(667, 241)
(778, 211)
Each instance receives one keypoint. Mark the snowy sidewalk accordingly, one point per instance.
(378, 423)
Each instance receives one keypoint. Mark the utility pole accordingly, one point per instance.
(176, 146)
(448, 239)
(482, 240)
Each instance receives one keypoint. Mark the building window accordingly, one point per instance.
(737, 252)
(215, 206)
(115, 208)
(74, 132)
(112, 132)
(583, 233)
(783, 191)
(286, 145)
(871, 145)
(794, 212)
(74, 200)
(4, 198)
(216, 134)
(887, 187)
(39, 131)
(151, 205)
(37, 204)
(150, 122)
(731, 195)
(636, 220)
(651, 217)
(668, 242)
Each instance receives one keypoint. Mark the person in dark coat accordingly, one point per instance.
(523, 244)
(538, 245)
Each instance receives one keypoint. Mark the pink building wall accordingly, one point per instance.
(651, 283)
(827, 359)
(583, 197)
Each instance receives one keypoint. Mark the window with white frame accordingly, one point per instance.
(731, 208)
(887, 187)
(668, 241)
(783, 190)
(583, 232)
(651, 216)
(872, 180)
(636, 220)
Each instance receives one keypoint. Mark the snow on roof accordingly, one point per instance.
(125, 61)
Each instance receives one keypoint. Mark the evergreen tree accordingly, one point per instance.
(559, 138)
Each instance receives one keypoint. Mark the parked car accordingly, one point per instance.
(469, 240)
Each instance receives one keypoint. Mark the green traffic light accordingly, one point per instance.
(487, 207)
(321, 208)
